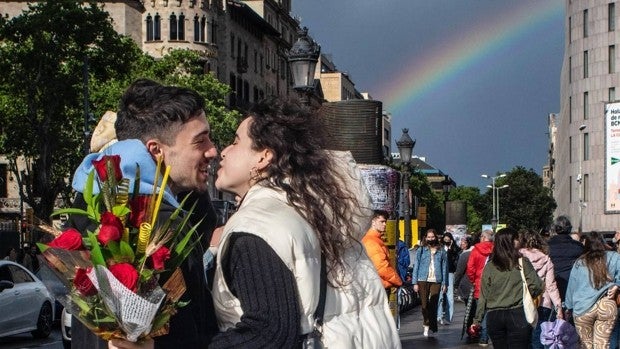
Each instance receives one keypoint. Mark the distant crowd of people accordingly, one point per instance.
(573, 277)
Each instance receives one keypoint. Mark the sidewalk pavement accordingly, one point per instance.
(447, 336)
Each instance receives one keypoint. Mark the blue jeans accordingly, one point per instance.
(443, 311)
(544, 314)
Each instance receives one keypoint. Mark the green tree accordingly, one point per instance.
(525, 203)
(421, 188)
(179, 67)
(42, 54)
(472, 197)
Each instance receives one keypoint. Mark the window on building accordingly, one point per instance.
(233, 88)
(262, 65)
(570, 149)
(232, 45)
(586, 106)
(570, 188)
(246, 91)
(612, 94)
(173, 27)
(570, 110)
(239, 52)
(570, 69)
(255, 61)
(586, 181)
(200, 29)
(585, 23)
(570, 29)
(585, 64)
(4, 180)
(586, 146)
(611, 16)
(256, 94)
(213, 32)
(612, 59)
(153, 27)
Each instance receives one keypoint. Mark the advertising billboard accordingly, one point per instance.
(612, 158)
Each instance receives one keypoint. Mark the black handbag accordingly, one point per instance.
(312, 340)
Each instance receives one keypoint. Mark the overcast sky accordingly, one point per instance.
(473, 80)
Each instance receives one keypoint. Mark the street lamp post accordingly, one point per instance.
(497, 189)
(405, 147)
(446, 192)
(495, 213)
(580, 178)
(303, 58)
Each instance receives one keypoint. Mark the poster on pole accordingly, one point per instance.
(612, 158)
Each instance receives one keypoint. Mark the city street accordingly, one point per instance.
(25, 340)
(447, 336)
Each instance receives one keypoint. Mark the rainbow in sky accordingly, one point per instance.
(448, 61)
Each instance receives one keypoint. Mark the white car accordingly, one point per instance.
(25, 303)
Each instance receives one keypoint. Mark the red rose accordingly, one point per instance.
(111, 228)
(126, 274)
(159, 257)
(139, 206)
(70, 239)
(83, 284)
(101, 166)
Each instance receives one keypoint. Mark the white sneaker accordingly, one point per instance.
(441, 321)
(425, 331)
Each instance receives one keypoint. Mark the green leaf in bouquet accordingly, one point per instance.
(181, 304)
(96, 256)
(115, 249)
(88, 189)
(182, 253)
(127, 252)
(42, 247)
(146, 274)
(121, 210)
(160, 320)
(69, 211)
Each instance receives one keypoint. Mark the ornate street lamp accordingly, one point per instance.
(405, 147)
(447, 183)
(302, 59)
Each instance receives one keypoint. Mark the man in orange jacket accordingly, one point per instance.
(378, 253)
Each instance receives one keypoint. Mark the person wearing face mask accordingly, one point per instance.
(430, 277)
(446, 301)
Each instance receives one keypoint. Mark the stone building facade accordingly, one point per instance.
(590, 77)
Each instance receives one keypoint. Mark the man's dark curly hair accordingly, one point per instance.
(149, 110)
(305, 171)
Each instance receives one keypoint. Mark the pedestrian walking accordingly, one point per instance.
(430, 278)
(501, 293)
(535, 249)
(446, 300)
(590, 293)
(475, 265)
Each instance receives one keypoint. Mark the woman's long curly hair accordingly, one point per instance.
(301, 168)
(531, 239)
(595, 258)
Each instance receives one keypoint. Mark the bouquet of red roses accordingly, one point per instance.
(123, 275)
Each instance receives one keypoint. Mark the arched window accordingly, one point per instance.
(149, 27)
(197, 33)
(173, 27)
(181, 30)
(157, 27)
(203, 28)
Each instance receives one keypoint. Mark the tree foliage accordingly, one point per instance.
(525, 203)
(43, 53)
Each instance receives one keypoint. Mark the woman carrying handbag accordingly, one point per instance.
(590, 293)
(501, 293)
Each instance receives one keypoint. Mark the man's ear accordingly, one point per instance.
(154, 148)
(266, 156)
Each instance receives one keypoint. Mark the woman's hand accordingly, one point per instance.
(559, 313)
(124, 344)
(611, 292)
(216, 236)
(415, 288)
(444, 289)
